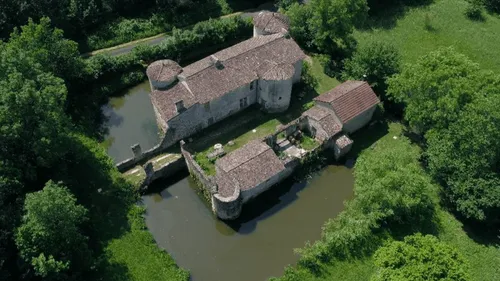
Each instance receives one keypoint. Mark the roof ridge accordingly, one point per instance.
(279, 35)
(362, 83)
(198, 72)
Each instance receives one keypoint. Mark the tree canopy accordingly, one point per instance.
(455, 106)
(436, 88)
(419, 257)
(327, 25)
(374, 63)
(50, 237)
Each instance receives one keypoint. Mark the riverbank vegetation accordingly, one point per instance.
(432, 172)
(65, 207)
(101, 24)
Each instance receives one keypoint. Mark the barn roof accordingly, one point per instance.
(350, 99)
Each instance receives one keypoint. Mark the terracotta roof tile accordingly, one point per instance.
(164, 101)
(325, 118)
(252, 164)
(343, 141)
(163, 70)
(350, 99)
(271, 22)
(229, 69)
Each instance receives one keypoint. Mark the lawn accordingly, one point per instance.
(420, 30)
(255, 124)
(136, 257)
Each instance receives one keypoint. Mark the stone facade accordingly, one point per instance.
(260, 70)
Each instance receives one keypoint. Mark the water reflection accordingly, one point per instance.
(130, 119)
(259, 244)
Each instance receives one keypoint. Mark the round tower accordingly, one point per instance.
(162, 74)
(275, 88)
(265, 23)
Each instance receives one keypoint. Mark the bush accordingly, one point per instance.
(391, 193)
(492, 5)
(474, 10)
(374, 63)
(420, 257)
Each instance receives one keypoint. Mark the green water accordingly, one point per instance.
(130, 120)
(257, 246)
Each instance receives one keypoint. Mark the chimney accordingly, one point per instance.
(216, 61)
(179, 106)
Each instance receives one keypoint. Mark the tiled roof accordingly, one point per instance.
(163, 70)
(343, 141)
(279, 72)
(164, 101)
(271, 22)
(231, 68)
(325, 118)
(350, 99)
(252, 164)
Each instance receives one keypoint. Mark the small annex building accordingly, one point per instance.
(352, 104)
(260, 70)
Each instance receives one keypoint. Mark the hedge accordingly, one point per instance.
(109, 75)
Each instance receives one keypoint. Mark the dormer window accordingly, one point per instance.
(179, 106)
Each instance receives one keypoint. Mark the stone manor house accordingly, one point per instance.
(260, 70)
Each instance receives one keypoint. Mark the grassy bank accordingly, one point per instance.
(417, 31)
(136, 257)
(483, 258)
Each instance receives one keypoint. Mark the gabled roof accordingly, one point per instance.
(350, 99)
(248, 166)
(271, 22)
(229, 69)
(325, 118)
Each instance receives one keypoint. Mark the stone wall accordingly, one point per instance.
(139, 157)
(274, 95)
(359, 121)
(206, 182)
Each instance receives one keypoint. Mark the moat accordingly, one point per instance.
(256, 246)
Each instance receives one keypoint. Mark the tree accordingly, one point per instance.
(391, 186)
(50, 237)
(465, 157)
(436, 88)
(333, 22)
(374, 63)
(419, 257)
(300, 30)
(49, 48)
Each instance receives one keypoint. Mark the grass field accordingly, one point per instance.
(136, 257)
(420, 30)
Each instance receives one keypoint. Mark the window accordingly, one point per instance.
(279, 98)
(243, 102)
(251, 85)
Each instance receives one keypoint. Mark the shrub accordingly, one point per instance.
(391, 190)
(474, 10)
(420, 257)
(374, 63)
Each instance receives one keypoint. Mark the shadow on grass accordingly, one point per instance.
(385, 14)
